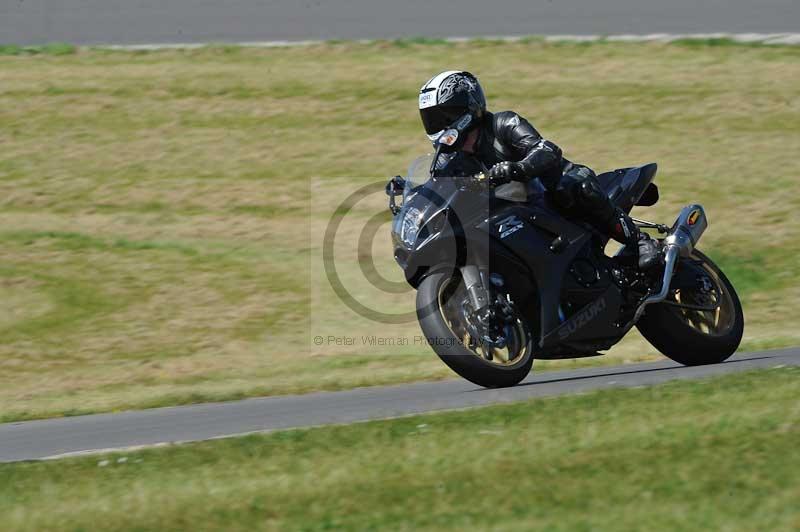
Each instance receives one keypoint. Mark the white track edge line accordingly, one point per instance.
(754, 38)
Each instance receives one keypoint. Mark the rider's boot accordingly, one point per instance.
(625, 231)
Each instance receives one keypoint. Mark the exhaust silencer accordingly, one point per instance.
(688, 228)
(683, 237)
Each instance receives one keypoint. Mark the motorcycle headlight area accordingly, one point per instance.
(414, 234)
(410, 226)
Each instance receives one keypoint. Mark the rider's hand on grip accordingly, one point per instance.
(507, 171)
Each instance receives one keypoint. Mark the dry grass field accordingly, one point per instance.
(161, 213)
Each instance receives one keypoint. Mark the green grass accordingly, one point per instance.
(57, 48)
(708, 455)
(720, 41)
(161, 213)
(411, 41)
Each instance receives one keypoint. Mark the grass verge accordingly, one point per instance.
(44, 49)
(161, 211)
(706, 455)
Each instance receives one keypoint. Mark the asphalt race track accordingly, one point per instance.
(193, 21)
(56, 437)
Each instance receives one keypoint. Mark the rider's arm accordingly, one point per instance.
(540, 157)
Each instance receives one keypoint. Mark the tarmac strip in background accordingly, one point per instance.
(195, 21)
(56, 438)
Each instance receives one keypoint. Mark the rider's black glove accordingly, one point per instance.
(395, 186)
(508, 171)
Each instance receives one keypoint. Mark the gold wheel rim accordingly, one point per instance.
(718, 322)
(505, 358)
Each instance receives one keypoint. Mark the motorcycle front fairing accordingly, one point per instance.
(429, 229)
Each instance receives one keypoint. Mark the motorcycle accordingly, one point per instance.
(503, 279)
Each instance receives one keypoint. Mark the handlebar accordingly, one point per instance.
(475, 183)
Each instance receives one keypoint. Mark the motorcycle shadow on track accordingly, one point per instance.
(543, 380)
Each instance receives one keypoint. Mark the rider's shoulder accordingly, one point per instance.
(505, 115)
(508, 119)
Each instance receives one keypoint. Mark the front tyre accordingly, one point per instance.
(685, 328)
(443, 313)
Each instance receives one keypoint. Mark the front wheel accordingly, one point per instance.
(444, 314)
(700, 323)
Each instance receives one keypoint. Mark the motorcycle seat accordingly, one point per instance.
(625, 187)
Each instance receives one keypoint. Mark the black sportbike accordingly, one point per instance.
(502, 278)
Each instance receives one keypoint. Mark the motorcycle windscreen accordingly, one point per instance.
(419, 169)
(418, 174)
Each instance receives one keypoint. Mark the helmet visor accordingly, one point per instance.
(435, 119)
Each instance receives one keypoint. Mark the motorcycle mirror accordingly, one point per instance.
(450, 137)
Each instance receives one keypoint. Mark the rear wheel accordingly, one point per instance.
(446, 319)
(701, 324)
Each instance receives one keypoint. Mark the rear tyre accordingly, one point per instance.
(440, 299)
(696, 337)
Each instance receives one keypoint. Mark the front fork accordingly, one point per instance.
(490, 307)
(477, 290)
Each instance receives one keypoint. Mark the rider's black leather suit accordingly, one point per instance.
(574, 188)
